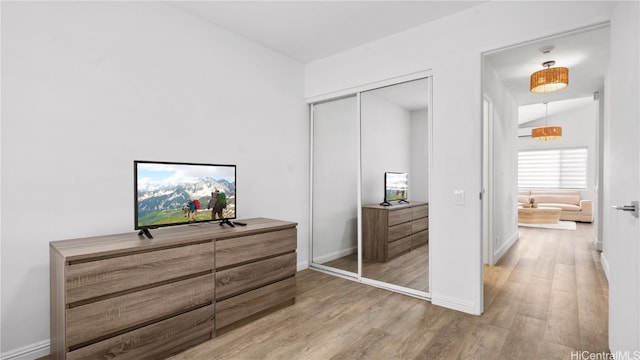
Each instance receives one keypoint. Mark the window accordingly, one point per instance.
(553, 169)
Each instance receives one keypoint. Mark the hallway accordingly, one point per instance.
(550, 292)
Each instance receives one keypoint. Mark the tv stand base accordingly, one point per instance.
(146, 233)
(226, 221)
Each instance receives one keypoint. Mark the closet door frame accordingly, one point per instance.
(426, 74)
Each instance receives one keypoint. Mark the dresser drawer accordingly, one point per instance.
(418, 212)
(177, 334)
(398, 247)
(247, 277)
(399, 231)
(240, 250)
(419, 225)
(399, 216)
(94, 320)
(232, 310)
(419, 239)
(92, 279)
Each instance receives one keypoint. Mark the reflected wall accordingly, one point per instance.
(335, 183)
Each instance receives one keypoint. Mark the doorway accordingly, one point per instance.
(515, 111)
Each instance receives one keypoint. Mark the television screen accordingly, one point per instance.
(396, 186)
(171, 193)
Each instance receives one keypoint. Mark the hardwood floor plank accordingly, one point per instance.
(366, 347)
(523, 340)
(593, 317)
(507, 305)
(553, 351)
(494, 279)
(484, 343)
(545, 267)
(450, 338)
(566, 247)
(562, 326)
(523, 271)
(564, 278)
(535, 302)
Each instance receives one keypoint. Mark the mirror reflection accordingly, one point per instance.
(335, 184)
(395, 184)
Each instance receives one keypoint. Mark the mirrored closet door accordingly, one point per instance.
(395, 184)
(370, 186)
(335, 165)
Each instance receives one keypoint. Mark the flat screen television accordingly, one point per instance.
(174, 193)
(396, 187)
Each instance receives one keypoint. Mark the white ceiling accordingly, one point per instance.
(311, 30)
(585, 53)
(527, 113)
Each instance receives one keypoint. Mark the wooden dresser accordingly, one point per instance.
(389, 231)
(130, 297)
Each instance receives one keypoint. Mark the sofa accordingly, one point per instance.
(571, 206)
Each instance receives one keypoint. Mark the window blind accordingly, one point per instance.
(553, 169)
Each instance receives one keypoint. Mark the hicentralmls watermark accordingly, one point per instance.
(618, 355)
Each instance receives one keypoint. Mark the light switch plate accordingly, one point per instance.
(459, 197)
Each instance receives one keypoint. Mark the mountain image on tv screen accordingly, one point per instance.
(396, 186)
(179, 193)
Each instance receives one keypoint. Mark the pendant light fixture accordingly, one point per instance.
(549, 79)
(546, 132)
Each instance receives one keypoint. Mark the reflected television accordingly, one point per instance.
(174, 193)
(396, 187)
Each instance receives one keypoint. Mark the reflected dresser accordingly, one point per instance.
(390, 231)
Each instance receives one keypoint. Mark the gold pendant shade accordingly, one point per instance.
(546, 133)
(549, 79)
(545, 81)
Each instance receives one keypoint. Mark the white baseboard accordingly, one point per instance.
(598, 245)
(596, 242)
(302, 265)
(29, 352)
(334, 255)
(506, 246)
(454, 304)
(605, 265)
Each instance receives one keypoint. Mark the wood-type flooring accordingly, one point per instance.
(546, 298)
(410, 269)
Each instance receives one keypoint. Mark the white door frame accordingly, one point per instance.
(487, 181)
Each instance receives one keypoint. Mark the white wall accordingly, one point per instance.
(504, 158)
(385, 129)
(335, 179)
(451, 47)
(579, 128)
(89, 87)
(419, 172)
